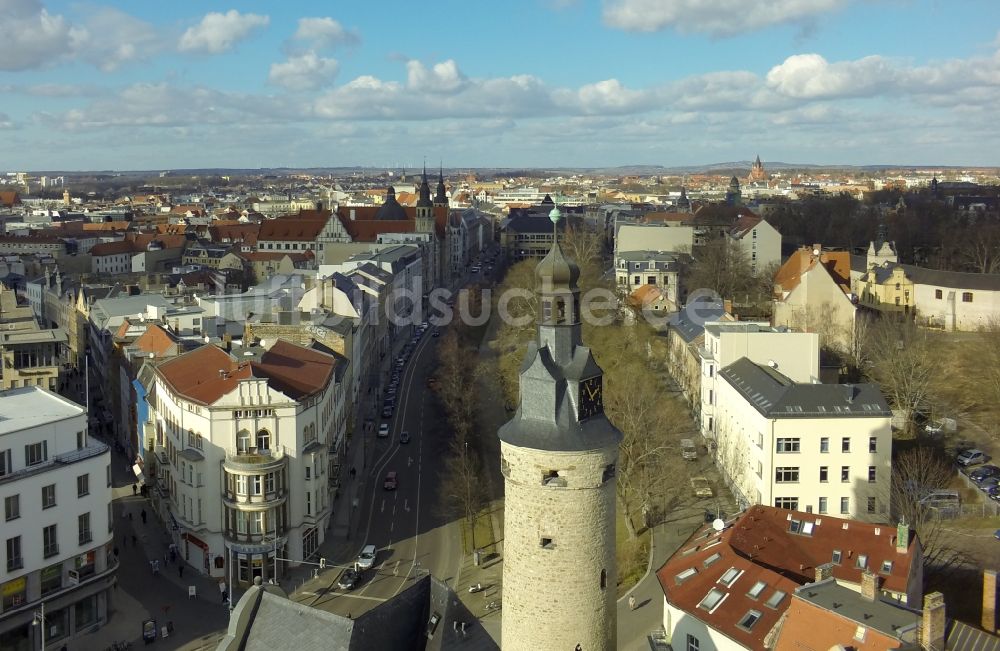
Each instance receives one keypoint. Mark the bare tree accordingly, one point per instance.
(463, 492)
(980, 249)
(721, 265)
(902, 364)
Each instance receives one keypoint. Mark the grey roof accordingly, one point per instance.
(952, 279)
(743, 326)
(690, 322)
(962, 637)
(776, 396)
(888, 618)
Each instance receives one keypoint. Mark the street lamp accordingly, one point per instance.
(39, 620)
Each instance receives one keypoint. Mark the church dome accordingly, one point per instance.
(390, 210)
(556, 269)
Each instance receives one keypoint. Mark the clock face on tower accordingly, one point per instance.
(591, 397)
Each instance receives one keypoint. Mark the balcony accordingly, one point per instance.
(255, 502)
(255, 460)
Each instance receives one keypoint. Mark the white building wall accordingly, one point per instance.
(762, 246)
(633, 237)
(953, 310)
(679, 626)
(748, 456)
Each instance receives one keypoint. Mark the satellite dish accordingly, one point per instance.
(719, 524)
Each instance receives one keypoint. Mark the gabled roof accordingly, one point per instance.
(246, 233)
(766, 557)
(207, 373)
(304, 227)
(155, 340)
(743, 225)
(9, 199)
(835, 263)
(112, 248)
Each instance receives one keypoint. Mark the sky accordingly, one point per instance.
(87, 85)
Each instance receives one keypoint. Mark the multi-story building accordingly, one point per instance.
(758, 240)
(635, 269)
(823, 448)
(55, 483)
(796, 354)
(241, 443)
(812, 293)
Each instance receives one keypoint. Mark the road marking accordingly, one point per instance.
(350, 595)
(391, 525)
(406, 506)
(394, 509)
(395, 569)
(409, 461)
(382, 510)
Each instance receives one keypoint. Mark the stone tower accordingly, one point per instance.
(425, 209)
(734, 196)
(558, 458)
(441, 196)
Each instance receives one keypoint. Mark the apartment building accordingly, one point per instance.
(241, 442)
(662, 269)
(818, 448)
(796, 354)
(55, 483)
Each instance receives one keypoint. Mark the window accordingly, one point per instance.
(845, 473)
(692, 643)
(36, 453)
(241, 484)
(729, 576)
(824, 444)
(757, 588)
(308, 473)
(269, 482)
(886, 567)
(256, 485)
(14, 560)
(243, 441)
(748, 620)
(308, 502)
(788, 445)
(859, 633)
(81, 440)
(837, 556)
(83, 526)
(871, 474)
(711, 559)
(845, 444)
(822, 505)
(862, 561)
(5, 462)
(775, 599)
(50, 541)
(872, 444)
(12, 507)
(48, 496)
(795, 526)
(824, 473)
(786, 475)
(546, 543)
(791, 503)
(966, 297)
(51, 578)
(650, 280)
(83, 485)
(845, 505)
(938, 294)
(712, 600)
(263, 440)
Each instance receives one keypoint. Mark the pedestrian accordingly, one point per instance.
(129, 516)
(631, 602)
(135, 489)
(142, 514)
(133, 540)
(180, 570)
(222, 590)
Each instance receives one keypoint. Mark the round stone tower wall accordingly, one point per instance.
(559, 573)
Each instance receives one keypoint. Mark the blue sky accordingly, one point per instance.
(141, 85)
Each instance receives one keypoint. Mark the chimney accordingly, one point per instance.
(869, 585)
(989, 622)
(902, 537)
(932, 623)
(727, 305)
(824, 572)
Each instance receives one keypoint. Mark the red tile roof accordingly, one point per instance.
(836, 263)
(304, 227)
(246, 233)
(365, 228)
(759, 547)
(112, 248)
(827, 630)
(744, 224)
(207, 373)
(9, 199)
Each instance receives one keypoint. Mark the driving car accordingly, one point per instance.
(383, 430)
(390, 483)
(348, 579)
(366, 559)
(701, 487)
(436, 333)
(386, 412)
(404, 437)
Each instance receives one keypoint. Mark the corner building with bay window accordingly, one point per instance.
(242, 444)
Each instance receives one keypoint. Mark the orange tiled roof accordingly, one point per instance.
(836, 263)
(304, 227)
(155, 340)
(9, 199)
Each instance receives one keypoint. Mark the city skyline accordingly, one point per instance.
(566, 83)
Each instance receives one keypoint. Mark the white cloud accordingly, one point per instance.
(444, 77)
(324, 32)
(106, 37)
(303, 72)
(810, 76)
(713, 17)
(218, 32)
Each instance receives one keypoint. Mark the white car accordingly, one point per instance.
(383, 430)
(366, 559)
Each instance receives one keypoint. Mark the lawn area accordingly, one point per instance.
(484, 538)
(633, 555)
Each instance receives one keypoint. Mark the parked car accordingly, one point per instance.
(436, 333)
(688, 450)
(972, 457)
(348, 579)
(988, 483)
(366, 559)
(391, 482)
(404, 437)
(386, 412)
(702, 487)
(383, 430)
(981, 472)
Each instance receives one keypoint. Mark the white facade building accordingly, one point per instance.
(241, 446)
(794, 354)
(55, 483)
(818, 448)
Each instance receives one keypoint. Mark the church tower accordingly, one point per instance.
(425, 209)
(683, 203)
(441, 196)
(734, 196)
(558, 458)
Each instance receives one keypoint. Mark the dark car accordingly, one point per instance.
(404, 437)
(988, 483)
(982, 472)
(387, 412)
(348, 579)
